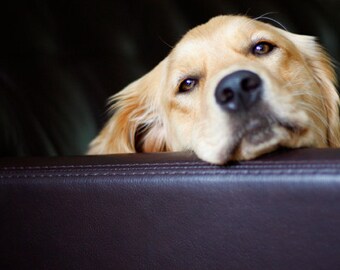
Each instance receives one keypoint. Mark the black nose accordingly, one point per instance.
(239, 91)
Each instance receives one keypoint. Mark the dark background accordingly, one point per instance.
(61, 60)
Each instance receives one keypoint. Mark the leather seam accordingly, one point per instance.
(226, 173)
(184, 169)
(180, 164)
(99, 165)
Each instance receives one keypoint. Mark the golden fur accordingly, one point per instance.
(151, 115)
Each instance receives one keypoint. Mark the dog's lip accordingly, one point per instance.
(258, 129)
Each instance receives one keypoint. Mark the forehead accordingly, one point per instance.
(225, 32)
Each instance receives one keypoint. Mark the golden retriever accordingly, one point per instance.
(232, 89)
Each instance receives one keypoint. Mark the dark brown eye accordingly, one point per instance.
(262, 48)
(187, 85)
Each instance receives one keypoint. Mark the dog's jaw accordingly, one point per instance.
(259, 142)
(253, 138)
(248, 147)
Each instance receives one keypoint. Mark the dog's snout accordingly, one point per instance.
(239, 91)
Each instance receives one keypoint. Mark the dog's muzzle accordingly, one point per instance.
(239, 91)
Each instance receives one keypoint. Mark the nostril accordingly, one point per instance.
(251, 83)
(226, 95)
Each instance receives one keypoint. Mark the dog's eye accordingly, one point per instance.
(262, 48)
(187, 85)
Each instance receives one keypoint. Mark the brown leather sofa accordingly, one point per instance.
(59, 62)
(171, 211)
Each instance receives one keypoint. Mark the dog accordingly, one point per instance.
(233, 88)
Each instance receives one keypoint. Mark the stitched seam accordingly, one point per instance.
(99, 165)
(115, 168)
(208, 167)
(252, 173)
(197, 164)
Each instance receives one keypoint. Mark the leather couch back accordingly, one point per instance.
(171, 211)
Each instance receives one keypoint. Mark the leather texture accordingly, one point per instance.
(171, 211)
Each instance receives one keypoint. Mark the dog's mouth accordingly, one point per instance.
(259, 134)
(257, 131)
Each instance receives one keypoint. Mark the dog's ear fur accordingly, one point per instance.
(324, 74)
(137, 123)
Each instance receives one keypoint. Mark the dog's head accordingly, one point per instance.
(232, 89)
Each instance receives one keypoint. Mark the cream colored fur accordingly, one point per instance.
(299, 89)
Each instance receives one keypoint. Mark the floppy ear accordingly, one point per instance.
(137, 122)
(325, 76)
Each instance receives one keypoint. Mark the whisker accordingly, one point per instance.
(165, 43)
(306, 93)
(265, 17)
(311, 109)
(321, 118)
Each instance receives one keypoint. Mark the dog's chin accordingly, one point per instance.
(256, 137)
(261, 136)
(258, 142)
